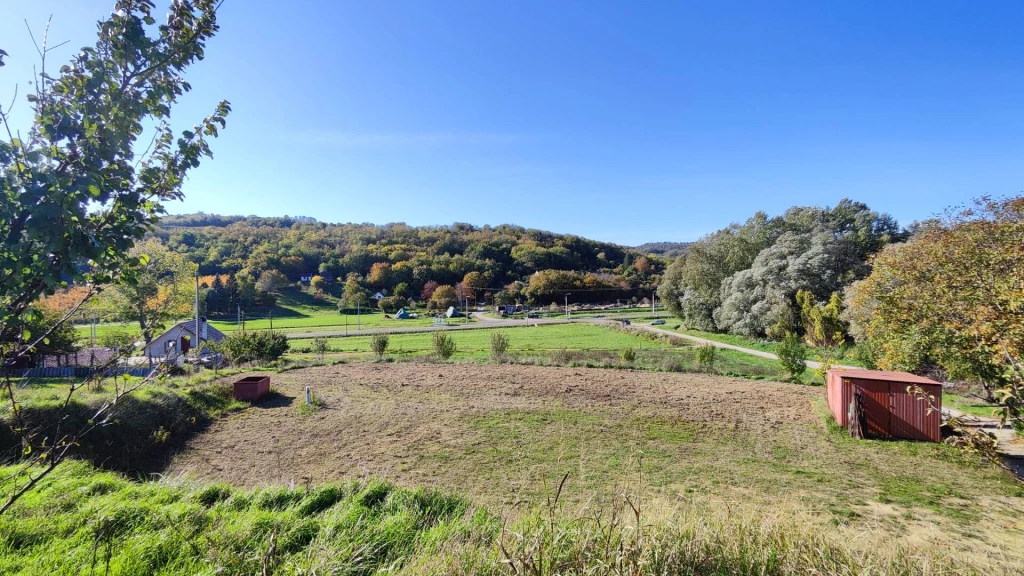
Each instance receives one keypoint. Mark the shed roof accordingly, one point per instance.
(886, 375)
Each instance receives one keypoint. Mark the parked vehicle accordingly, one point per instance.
(625, 322)
(657, 323)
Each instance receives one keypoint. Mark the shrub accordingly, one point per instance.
(628, 355)
(707, 354)
(444, 345)
(672, 364)
(863, 354)
(263, 346)
(499, 345)
(320, 348)
(379, 344)
(792, 355)
(392, 304)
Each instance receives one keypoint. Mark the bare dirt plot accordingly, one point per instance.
(499, 433)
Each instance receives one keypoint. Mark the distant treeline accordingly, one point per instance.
(666, 249)
(409, 255)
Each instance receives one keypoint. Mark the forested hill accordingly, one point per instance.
(413, 255)
(666, 249)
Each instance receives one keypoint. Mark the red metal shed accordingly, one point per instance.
(890, 410)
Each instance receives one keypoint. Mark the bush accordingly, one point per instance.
(379, 344)
(499, 345)
(707, 354)
(263, 346)
(863, 354)
(392, 304)
(792, 355)
(444, 345)
(628, 355)
(672, 365)
(320, 348)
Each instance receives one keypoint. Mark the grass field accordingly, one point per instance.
(544, 337)
(563, 344)
(733, 477)
(504, 434)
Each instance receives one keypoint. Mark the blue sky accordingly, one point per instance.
(628, 122)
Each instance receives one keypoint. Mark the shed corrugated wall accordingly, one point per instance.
(838, 398)
(909, 415)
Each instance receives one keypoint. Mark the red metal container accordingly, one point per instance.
(252, 388)
(890, 410)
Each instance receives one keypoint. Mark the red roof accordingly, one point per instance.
(886, 375)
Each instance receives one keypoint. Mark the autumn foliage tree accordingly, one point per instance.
(162, 291)
(953, 295)
(443, 297)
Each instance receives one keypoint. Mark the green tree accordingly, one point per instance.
(76, 190)
(261, 347)
(823, 324)
(162, 289)
(792, 355)
(271, 282)
(353, 295)
(61, 337)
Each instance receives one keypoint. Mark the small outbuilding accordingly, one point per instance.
(888, 407)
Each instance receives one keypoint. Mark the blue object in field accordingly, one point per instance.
(402, 314)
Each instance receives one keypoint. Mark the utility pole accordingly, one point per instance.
(654, 298)
(271, 319)
(567, 306)
(358, 320)
(238, 323)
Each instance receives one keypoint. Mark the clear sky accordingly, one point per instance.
(628, 122)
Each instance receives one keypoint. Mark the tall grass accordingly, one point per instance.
(81, 521)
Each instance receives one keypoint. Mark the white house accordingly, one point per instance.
(180, 338)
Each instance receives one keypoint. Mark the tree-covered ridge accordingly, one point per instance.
(384, 256)
(665, 249)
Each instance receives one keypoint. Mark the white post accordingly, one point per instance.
(309, 396)
(567, 306)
